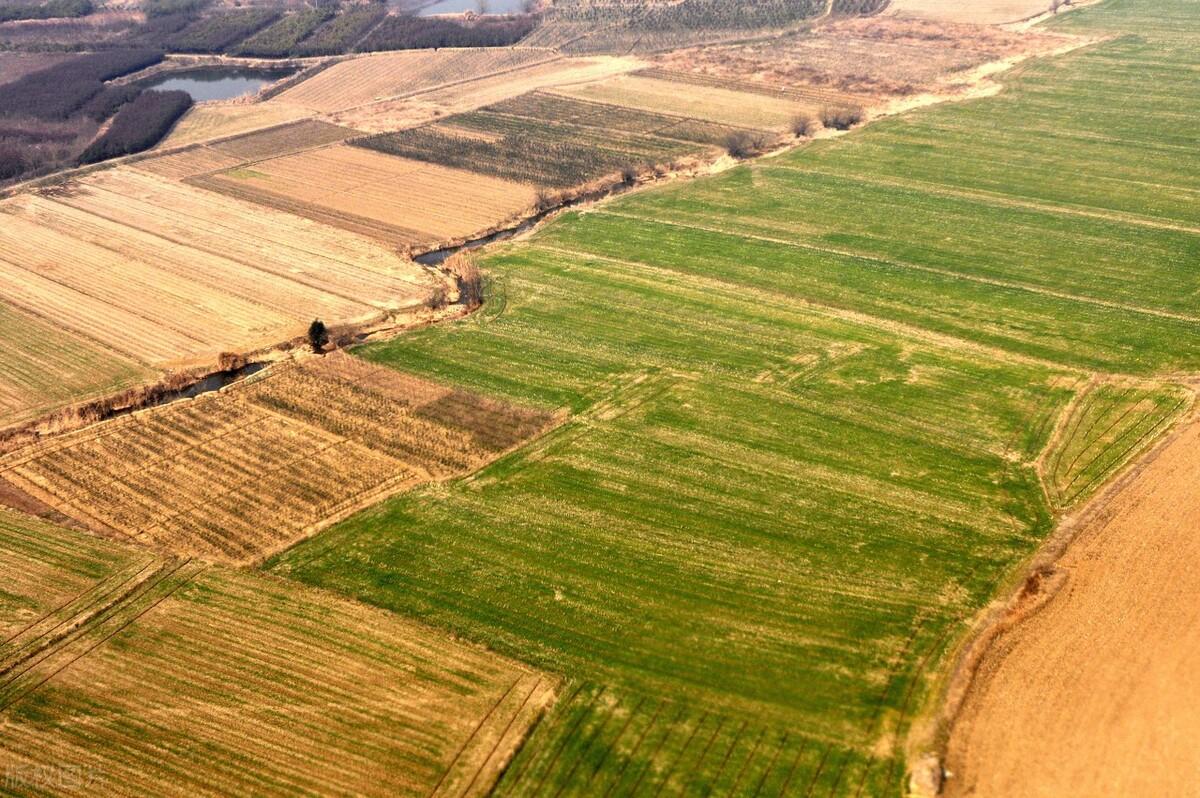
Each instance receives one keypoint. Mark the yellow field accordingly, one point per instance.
(165, 273)
(121, 668)
(212, 121)
(238, 475)
(194, 161)
(375, 77)
(710, 103)
(372, 193)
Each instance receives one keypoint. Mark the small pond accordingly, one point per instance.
(457, 6)
(217, 83)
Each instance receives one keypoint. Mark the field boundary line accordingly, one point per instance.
(997, 199)
(467, 742)
(992, 281)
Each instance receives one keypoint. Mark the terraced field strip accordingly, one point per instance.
(163, 273)
(373, 194)
(1107, 426)
(810, 413)
(362, 80)
(247, 472)
(166, 677)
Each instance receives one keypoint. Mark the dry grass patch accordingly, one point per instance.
(980, 12)
(244, 473)
(165, 273)
(843, 62)
(125, 665)
(399, 201)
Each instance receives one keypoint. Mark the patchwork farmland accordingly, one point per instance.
(706, 496)
(197, 680)
(206, 478)
(811, 398)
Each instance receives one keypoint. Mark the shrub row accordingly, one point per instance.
(166, 8)
(139, 125)
(213, 34)
(51, 9)
(413, 33)
(61, 90)
(340, 34)
(281, 39)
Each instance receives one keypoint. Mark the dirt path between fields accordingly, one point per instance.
(1097, 692)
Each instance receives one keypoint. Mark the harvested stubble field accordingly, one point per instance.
(164, 677)
(44, 367)
(811, 401)
(556, 142)
(367, 79)
(400, 202)
(248, 471)
(164, 273)
(722, 105)
(840, 62)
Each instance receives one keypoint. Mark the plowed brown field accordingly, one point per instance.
(1096, 693)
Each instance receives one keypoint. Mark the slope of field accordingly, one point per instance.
(239, 474)
(810, 400)
(359, 81)
(712, 103)
(398, 201)
(131, 674)
(209, 121)
(164, 273)
(44, 367)
(1092, 695)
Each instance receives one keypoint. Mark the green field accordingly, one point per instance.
(810, 400)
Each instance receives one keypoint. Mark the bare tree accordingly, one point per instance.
(842, 118)
(804, 125)
(466, 273)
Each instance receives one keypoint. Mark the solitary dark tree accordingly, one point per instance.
(318, 336)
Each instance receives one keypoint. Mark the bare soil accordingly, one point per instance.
(1090, 695)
